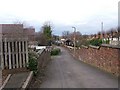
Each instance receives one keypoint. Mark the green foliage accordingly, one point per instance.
(86, 43)
(55, 51)
(96, 42)
(47, 31)
(32, 63)
(47, 34)
(106, 41)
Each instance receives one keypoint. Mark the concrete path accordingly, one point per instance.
(0, 77)
(17, 80)
(66, 72)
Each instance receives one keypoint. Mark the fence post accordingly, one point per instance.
(9, 51)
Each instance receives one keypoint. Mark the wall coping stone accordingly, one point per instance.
(111, 46)
(5, 82)
(27, 81)
(84, 46)
(95, 47)
(40, 51)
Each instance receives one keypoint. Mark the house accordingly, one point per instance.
(30, 33)
(113, 36)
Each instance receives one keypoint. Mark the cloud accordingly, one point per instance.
(86, 15)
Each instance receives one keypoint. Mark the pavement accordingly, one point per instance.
(64, 71)
(17, 80)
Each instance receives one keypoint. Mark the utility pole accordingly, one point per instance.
(101, 26)
(74, 38)
(102, 38)
(101, 29)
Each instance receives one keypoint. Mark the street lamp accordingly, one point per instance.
(101, 30)
(74, 38)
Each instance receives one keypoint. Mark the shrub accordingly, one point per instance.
(106, 41)
(55, 51)
(85, 42)
(32, 63)
(96, 42)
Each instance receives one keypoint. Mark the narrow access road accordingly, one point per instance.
(66, 72)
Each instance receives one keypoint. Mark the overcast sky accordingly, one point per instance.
(85, 15)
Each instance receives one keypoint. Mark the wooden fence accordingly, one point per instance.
(13, 53)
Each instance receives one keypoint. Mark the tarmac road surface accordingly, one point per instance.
(64, 71)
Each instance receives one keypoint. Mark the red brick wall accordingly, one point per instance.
(12, 30)
(44, 58)
(30, 32)
(106, 58)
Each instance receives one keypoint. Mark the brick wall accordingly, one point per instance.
(12, 31)
(106, 58)
(30, 32)
(44, 58)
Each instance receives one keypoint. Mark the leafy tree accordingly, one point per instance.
(47, 33)
(44, 36)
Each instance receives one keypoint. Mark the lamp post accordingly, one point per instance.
(101, 30)
(74, 38)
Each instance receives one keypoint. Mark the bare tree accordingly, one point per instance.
(40, 38)
(118, 29)
(99, 33)
(77, 35)
(25, 24)
(65, 34)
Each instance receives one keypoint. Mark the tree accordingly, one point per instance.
(99, 33)
(118, 33)
(77, 35)
(65, 34)
(40, 38)
(84, 40)
(47, 32)
(55, 37)
(25, 24)
(44, 36)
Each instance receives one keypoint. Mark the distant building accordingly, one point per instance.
(113, 36)
(30, 33)
(13, 46)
